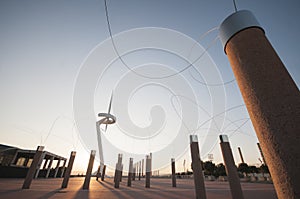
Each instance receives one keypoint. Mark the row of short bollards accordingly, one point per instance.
(137, 168)
(200, 192)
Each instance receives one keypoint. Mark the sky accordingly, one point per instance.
(58, 69)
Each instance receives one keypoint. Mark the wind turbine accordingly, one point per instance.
(106, 118)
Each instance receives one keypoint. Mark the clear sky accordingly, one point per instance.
(49, 98)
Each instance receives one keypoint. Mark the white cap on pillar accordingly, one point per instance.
(193, 138)
(236, 22)
(224, 138)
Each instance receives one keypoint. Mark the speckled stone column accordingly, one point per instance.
(271, 97)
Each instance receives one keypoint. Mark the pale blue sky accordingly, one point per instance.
(44, 43)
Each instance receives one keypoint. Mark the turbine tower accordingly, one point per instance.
(106, 118)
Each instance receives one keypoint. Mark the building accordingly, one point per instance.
(15, 162)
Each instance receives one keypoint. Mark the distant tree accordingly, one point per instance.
(189, 172)
(243, 168)
(220, 170)
(253, 169)
(264, 169)
(209, 168)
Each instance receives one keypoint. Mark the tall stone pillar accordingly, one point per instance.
(134, 172)
(173, 172)
(241, 155)
(140, 164)
(36, 175)
(143, 167)
(33, 167)
(121, 173)
(231, 170)
(148, 171)
(130, 171)
(86, 184)
(118, 171)
(98, 173)
(261, 154)
(68, 170)
(271, 97)
(197, 168)
(103, 173)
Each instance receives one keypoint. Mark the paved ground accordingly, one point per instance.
(160, 188)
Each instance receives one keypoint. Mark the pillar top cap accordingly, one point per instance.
(224, 138)
(193, 138)
(235, 23)
(40, 148)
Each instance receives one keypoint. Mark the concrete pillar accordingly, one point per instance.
(134, 171)
(173, 172)
(56, 168)
(49, 167)
(118, 171)
(130, 171)
(148, 171)
(121, 173)
(143, 167)
(103, 173)
(33, 167)
(271, 97)
(36, 175)
(63, 167)
(231, 170)
(197, 168)
(137, 170)
(151, 164)
(261, 154)
(68, 170)
(87, 178)
(98, 173)
(140, 165)
(241, 155)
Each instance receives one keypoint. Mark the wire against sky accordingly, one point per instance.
(234, 4)
(145, 76)
(206, 84)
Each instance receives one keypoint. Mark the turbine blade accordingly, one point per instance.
(110, 102)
